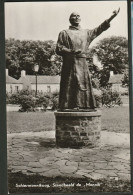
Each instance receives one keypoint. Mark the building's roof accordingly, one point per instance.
(41, 79)
(116, 79)
(11, 80)
(23, 80)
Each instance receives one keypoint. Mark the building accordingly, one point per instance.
(12, 85)
(44, 83)
(115, 82)
(52, 83)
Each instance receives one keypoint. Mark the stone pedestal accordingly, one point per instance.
(78, 129)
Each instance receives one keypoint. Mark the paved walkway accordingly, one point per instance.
(36, 153)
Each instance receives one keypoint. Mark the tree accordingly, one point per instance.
(112, 53)
(23, 55)
(13, 50)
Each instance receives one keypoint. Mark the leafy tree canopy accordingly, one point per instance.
(23, 55)
(112, 53)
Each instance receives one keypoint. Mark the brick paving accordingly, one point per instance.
(36, 152)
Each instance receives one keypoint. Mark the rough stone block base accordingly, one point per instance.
(78, 129)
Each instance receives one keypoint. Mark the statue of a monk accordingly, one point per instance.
(75, 86)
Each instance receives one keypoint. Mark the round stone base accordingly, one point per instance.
(78, 129)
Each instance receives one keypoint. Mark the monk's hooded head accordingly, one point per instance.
(75, 19)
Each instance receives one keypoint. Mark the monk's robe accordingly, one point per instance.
(75, 86)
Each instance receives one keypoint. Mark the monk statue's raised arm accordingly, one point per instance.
(75, 87)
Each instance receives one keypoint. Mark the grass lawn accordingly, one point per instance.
(116, 119)
(30, 121)
(113, 119)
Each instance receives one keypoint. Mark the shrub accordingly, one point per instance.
(24, 98)
(29, 102)
(55, 100)
(55, 103)
(13, 98)
(42, 101)
(98, 99)
(110, 98)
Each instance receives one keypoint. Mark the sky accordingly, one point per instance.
(44, 20)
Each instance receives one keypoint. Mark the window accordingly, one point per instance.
(16, 88)
(11, 88)
(48, 89)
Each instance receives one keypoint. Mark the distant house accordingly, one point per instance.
(12, 85)
(44, 83)
(115, 81)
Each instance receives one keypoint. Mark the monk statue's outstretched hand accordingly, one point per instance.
(115, 12)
